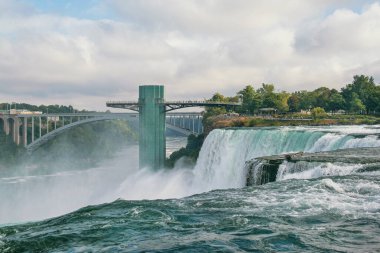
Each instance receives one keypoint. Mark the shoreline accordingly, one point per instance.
(223, 122)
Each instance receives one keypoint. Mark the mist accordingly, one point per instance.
(69, 173)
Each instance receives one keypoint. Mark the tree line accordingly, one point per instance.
(362, 96)
(40, 108)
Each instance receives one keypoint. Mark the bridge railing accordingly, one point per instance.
(201, 102)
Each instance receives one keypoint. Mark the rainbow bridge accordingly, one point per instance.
(33, 130)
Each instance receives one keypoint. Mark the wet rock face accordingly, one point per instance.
(261, 172)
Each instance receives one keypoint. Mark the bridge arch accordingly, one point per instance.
(31, 147)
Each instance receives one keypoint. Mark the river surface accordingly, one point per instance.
(116, 207)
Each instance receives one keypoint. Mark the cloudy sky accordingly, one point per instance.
(86, 52)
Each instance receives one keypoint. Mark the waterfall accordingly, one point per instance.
(254, 172)
(221, 162)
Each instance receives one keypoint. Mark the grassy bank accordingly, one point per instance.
(222, 121)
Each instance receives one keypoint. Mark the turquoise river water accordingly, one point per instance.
(116, 207)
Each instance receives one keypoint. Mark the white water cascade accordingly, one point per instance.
(221, 165)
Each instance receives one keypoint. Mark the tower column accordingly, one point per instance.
(152, 126)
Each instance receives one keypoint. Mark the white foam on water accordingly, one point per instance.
(313, 197)
(367, 141)
(307, 170)
(329, 183)
(221, 165)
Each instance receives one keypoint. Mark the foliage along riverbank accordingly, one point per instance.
(356, 103)
(222, 121)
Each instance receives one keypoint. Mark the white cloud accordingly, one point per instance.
(193, 47)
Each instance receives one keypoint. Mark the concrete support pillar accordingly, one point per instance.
(199, 124)
(6, 126)
(25, 131)
(39, 119)
(152, 126)
(32, 128)
(16, 131)
(47, 124)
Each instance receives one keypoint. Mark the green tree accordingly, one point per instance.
(322, 97)
(281, 102)
(336, 101)
(373, 100)
(365, 88)
(307, 99)
(294, 103)
(356, 105)
(268, 96)
(217, 97)
(250, 99)
(318, 113)
(213, 111)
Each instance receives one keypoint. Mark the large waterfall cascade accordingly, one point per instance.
(221, 163)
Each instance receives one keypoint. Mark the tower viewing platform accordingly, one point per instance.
(152, 109)
(172, 105)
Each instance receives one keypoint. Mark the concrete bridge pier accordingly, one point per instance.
(32, 129)
(16, 131)
(25, 131)
(40, 127)
(6, 126)
(152, 144)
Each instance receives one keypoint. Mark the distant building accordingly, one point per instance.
(17, 111)
(53, 118)
(267, 111)
(340, 112)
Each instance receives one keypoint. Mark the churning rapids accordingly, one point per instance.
(116, 207)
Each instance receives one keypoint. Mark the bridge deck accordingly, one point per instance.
(172, 105)
(188, 102)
